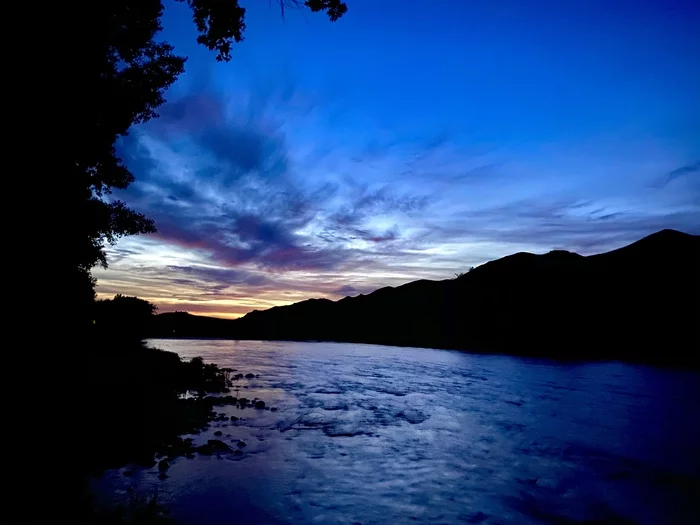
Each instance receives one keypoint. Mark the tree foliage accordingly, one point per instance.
(119, 72)
(124, 317)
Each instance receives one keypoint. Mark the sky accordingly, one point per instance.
(409, 140)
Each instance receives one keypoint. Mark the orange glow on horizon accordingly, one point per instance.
(218, 315)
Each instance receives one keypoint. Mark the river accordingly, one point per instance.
(369, 434)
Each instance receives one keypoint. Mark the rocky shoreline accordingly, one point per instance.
(151, 407)
(186, 447)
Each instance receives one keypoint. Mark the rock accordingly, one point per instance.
(163, 465)
(249, 376)
(223, 400)
(238, 452)
(213, 446)
(162, 476)
(218, 433)
(234, 418)
(204, 450)
(218, 446)
(273, 409)
(260, 405)
(178, 447)
(242, 444)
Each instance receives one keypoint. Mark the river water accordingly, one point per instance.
(369, 434)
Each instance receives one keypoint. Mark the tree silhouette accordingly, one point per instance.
(119, 72)
(123, 318)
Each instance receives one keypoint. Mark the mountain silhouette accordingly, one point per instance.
(639, 302)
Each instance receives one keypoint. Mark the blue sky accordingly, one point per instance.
(409, 140)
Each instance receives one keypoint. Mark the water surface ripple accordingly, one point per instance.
(376, 435)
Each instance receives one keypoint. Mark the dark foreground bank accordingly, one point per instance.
(149, 398)
(111, 402)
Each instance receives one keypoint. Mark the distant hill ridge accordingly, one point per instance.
(640, 302)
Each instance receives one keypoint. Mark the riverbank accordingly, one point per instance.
(126, 405)
(147, 398)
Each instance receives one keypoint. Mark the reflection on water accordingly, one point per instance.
(374, 435)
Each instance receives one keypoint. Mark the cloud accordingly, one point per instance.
(257, 206)
(216, 291)
(221, 276)
(345, 290)
(219, 179)
(220, 187)
(363, 202)
(558, 224)
(117, 254)
(236, 146)
(684, 171)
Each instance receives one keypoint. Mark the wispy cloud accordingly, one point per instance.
(691, 169)
(258, 204)
(346, 290)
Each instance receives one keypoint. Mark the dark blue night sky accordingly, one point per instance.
(411, 139)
